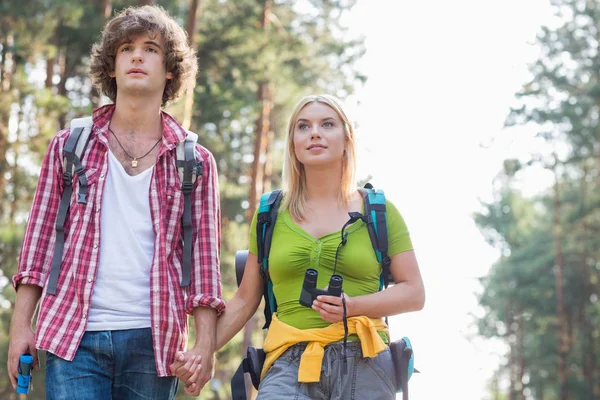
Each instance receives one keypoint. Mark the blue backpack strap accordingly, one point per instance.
(265, 224)
(376, 219)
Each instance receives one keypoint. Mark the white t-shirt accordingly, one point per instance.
(121, 296)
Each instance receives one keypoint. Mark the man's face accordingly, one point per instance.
(140, 66)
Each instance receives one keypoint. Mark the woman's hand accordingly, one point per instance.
(187, 368)
(331, 307)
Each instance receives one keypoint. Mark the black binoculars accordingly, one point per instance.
(309, 287)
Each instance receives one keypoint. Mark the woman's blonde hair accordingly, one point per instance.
(180, 58)
(294, 178)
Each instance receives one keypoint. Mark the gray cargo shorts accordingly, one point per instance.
(366, 378)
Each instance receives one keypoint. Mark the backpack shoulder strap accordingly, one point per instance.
(376, 218)
(189, 144)
(265, 224)
(79, 135)
(86, 123)
(189, 169)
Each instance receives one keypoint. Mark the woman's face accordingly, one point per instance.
(319, 137)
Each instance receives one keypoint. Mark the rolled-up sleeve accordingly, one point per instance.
(205, 285)
(38, 243)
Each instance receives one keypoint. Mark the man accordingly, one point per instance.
(118, 318)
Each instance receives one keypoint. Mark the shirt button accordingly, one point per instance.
(318, 241)
(155, 326)
(89, 280)
(95, 246)
(84, 316)
(153, 191)
(169, 197)
(97, 210)
(101, 175)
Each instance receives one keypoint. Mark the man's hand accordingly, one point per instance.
(195, 367)
(331, 307)
(190, 368)
(21, 336)
(22, 341)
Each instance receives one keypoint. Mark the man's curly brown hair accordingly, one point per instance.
(180, 59)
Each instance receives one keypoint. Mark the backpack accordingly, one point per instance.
(75, 145)
(375, 218)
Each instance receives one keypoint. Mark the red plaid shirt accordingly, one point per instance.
(63, 317)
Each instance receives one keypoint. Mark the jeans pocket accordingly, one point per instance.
(49, 358)
(383, 365)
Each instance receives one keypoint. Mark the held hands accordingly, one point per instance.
(194, 368)
(331, 308)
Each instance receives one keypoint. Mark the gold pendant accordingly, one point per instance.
(134, 163)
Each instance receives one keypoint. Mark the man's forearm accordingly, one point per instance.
(205, 321)
(25, 304)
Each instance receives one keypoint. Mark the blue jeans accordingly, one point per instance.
(109, 365)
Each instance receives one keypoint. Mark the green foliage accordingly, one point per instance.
(519, 295)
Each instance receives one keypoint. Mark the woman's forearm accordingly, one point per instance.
(233, 319)
(400, 298)
(408, 294)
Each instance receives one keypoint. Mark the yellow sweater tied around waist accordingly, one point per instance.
(281, 336)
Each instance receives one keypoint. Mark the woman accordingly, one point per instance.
(319, 192)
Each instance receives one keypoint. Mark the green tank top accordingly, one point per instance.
(293, 250)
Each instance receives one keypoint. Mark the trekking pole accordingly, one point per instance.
(24, 378)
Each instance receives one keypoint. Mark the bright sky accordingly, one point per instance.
(442, 78)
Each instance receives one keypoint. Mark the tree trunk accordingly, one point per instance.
(264, 99)
(520, 334)
(588, 348)
(560, 305)
(6, 69)
(268, 176)
(2, 59)
(8, 62)
(12, 212)
(591, 334)
(105, 7)
(189, 92)
(4, 145)
(67, 66)
(50, 61)
(512, 393)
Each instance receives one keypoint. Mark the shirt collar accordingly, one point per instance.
(173, 133)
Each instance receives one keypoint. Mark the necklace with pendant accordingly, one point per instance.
(134, 160)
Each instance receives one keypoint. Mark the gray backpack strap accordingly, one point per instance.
(72, 152)
(188, 170)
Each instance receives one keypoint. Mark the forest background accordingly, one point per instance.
(480, 121)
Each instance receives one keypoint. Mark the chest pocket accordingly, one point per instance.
(82, 190)
(173, 212)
